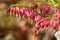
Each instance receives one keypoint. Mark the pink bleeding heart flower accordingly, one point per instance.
(46, 9)
(37, 27)
(12, 10)
(37, 18)
(22, 10)
(42, 24)
(58, 17)
(41, 8)
(34, 6)
(8, 11)
(33, 15)
(16, 11)
(27, 13)
(56, 11)
(47, 22)
(54, 25)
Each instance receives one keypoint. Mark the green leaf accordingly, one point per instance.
(38, 2)
(51, 2)
(29, 4)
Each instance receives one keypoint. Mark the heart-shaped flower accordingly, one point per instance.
(58, 17)
(42, 24)
(47, 22)
(16, 11)
(56, 11)
(34, 6)
(37, 18)
(10, 10)
(22, 10)
(54, 25)
(46, 9)
(41, 8)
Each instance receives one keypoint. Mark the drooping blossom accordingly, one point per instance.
(8, 11)
(37, 18)
(56, 11)
(16, 11)
(54, 24)
(47, 22)
(34, 6)
(22, 10)
(44, 9)
(41, 8)
(13, 11)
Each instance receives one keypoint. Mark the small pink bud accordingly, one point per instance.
(34, 6)
(55, 11)
(41, 8)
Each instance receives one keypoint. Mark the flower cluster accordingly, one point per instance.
(26, 12)
(40, 21)
(53, 22)
(45, 9)
(45, 22)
